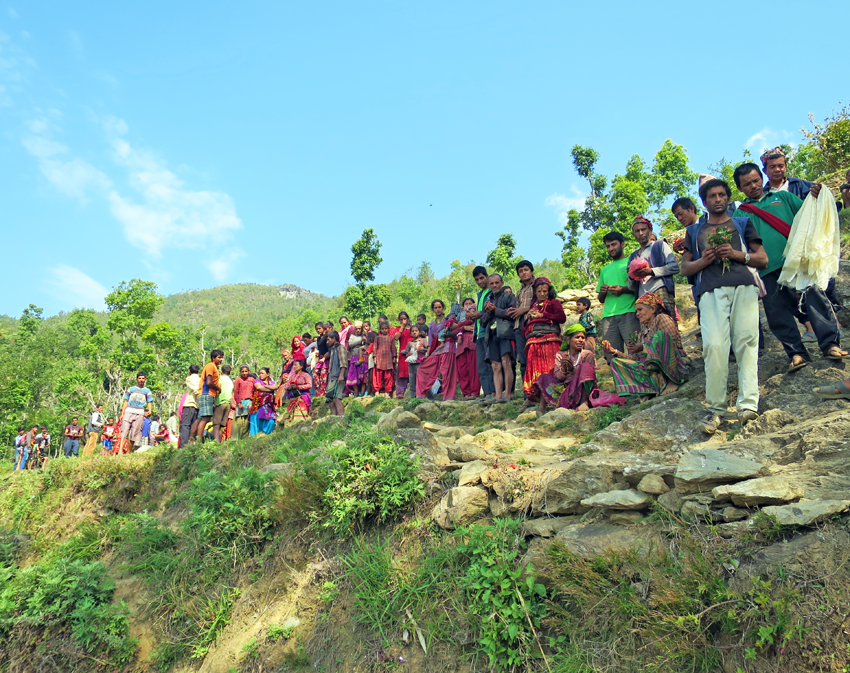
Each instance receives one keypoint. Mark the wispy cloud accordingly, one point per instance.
(766, 139)
(75, 288)
(563, 203)
(12, 13)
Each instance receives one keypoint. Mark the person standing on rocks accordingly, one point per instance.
(772, 214)
(729, 294)
(485, 371)
(524, 299)
(498, 327)
(619, 321)
(441, 361)
(337, 369)
(663, 265)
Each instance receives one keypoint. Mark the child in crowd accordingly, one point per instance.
(40, 449)
(422, 323)
(384, 350)
(585, 319)
(110, 435)
(415, 352)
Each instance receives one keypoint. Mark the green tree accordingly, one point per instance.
(31, 319)
(364, 300)
(501, 259)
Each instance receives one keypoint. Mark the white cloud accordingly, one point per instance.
(767, 138)
(220, 268)
(169, 214)
(75, 288)
(564, 203)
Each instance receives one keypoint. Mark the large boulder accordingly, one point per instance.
(398, 419)
(624, 499)
(703, 469)
(459, 506)
(761, 491)
(464, 452)
(807, 512)
(563, 488)
(557, 416)
(591, 540)
(423, 444)
(670, 425)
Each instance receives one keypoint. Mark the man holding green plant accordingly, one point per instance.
(722, 253)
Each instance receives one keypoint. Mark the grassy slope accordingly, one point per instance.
(218, 556)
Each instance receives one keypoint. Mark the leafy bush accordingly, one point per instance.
(369, 476)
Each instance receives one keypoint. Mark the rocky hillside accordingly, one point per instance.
(444, 536)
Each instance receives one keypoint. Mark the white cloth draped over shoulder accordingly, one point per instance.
(814, 244)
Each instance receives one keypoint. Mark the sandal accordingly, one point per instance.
(835, 353)
(797, 362)
(835, 391)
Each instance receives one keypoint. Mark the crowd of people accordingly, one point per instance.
(502, 343)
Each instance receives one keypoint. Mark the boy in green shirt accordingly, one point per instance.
(781, 303)
(618, 315)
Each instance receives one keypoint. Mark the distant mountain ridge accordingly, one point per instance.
(246, 303)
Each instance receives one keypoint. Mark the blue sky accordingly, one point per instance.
(196, 144)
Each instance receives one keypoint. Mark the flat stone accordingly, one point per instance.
(563, 488)
(470, 473)
(459, 506)
(807, 512)
(702, 469)
(591, 540)
(652, 484)
(625, 518)
(433, 427)
(625, 499)
(547, 526)
(761, 491)
(694, 510)
(276, 468)
(452, 432)
(734, 514)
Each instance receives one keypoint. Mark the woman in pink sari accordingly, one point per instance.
(402, 334)
(573, 377)
(467, 362)
(298, 393)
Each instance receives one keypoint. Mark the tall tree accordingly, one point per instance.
(501, 259)
(364, 300)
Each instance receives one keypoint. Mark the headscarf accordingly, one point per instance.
(650, 299)
(358, 323)
(775, 153)
(541, 280)
(642, 220)
(575, 328)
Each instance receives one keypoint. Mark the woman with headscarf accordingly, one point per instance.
(542, 330)
(465, 355)
(298, 393)
(402, 334)
(263, 412)
(358, 368)
(655, 363)
(573, 377)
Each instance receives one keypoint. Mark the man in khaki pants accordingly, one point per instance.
(93, 428)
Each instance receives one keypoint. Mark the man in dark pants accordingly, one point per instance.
(769, 211)
(485, 371)
(524, 300)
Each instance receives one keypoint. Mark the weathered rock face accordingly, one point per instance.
(762, 491)
(460, 506)
(652, 484)
(625, 499)
(556, 416)
(666, 426)
(496, 440)
(471, 473)
(563, 490)
(427, 410)
(703, 469)
(397, 419)
(423, 444)
(594, 539)
(807, 512)
(464, 452)
(548, 526)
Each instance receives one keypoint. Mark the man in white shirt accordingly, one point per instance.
(93, 429)
(190, 405)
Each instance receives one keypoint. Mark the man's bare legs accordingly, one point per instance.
(508, 369)
(497, 378)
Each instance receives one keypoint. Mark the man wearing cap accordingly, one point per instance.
(775, 167)
(663, 265)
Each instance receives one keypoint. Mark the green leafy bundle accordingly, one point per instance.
(721, 236)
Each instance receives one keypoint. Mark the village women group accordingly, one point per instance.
(506, 343)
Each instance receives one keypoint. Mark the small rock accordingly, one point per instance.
(733, 529)
(625, 499)
(466, 453)
(702, 469)
(734, 514)
(497, 505)
(556, 416)
(397, 419)
(452, 432)
(496, 440)
(671, 501)
(291, 623)
(427, 410)
(625, 518)
(433, 427)
(527, 416)
(471, 472)
(762, 491)
(459, 506)
(807, 512)
(546, 526)
(694, 510)
(275, 468)
(652, 484)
